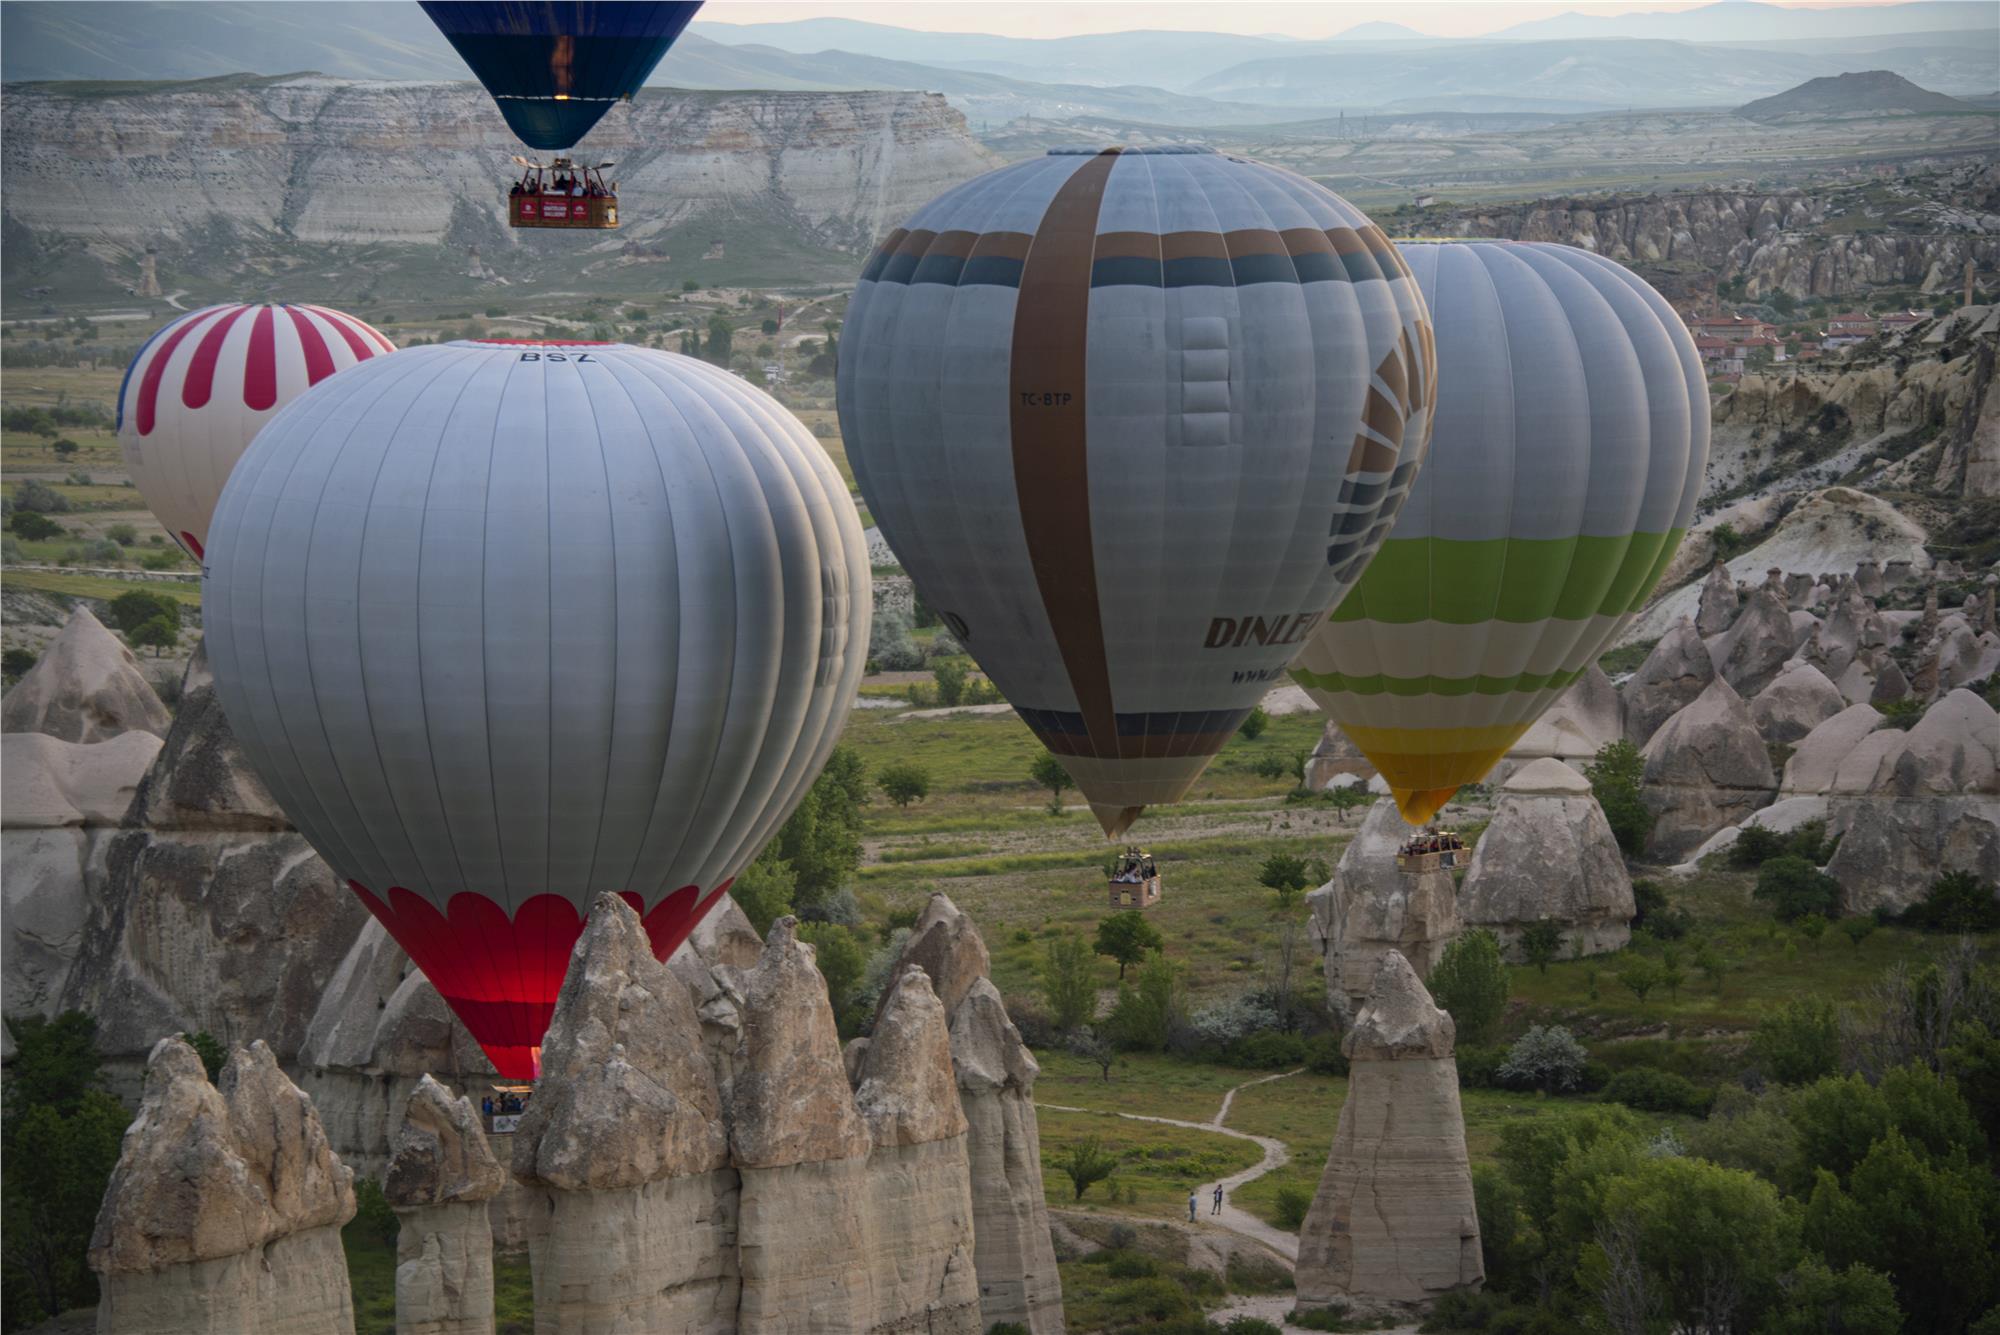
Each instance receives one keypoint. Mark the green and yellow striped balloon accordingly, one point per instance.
(1571, 432)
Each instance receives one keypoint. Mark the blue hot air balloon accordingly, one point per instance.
(555, 69)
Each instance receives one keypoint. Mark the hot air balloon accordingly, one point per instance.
(201, 387)
(1571, 433)
(555, 69)
(506, 626)
(1134, 420)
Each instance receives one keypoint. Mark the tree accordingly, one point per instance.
(1095, 1049)
(1128, 938)
(59, 1140)
(1794, 888)
(1470, 981)
(1640, 975)
(763, 890)
(1857, 929)
(1151, 1007)
(821, 841)
(65, 447)
(904, 782)
(1800, 1042)
(1614, 778)
(1288, 874)
(1086, 1162)
(1549, 1059)
(123, 534)
(769, 327)
(1540, 942)
(34, 526)
(1068, 984)
(721, 340)
(1819, 1300)
(889, 641)
(129, 611)
(214, 1056)
(1957, 902)
(950, 679)
(34, 494)
(1924, 1224)
(1709, 1242)
(841, 962)
(1254, 723)
(1048, 772)
(156, 635)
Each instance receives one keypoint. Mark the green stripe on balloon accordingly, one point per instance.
(1379, 683)
(1515, 580)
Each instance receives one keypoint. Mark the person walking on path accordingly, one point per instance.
(1218, 1199)
(1194, 1203)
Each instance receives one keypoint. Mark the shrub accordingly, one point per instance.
(1238, 1017)
(1614, 779)
(1956, 902)
(1332, 1317)
(1541, 942)
(1470, 982)
(1254, 724)
(1267, 1052)
(1904, 713)
(1658, 1091)
(17, 662)
(1794, 887)
(904, 783)
(1151, 1007)
(373, 1214)
(33, 526)
(1548, 1059)
(1068, 984)
(1800, 1042)
(1479, 1065)
(1324, 1057)
(35, 494)
(103, 552)
(129, 611)
(1290, 1205)
(123, 534)
(890, 643)
(1655, 915)
(1131, 1265)
(1756, 846)
(1250, 1325)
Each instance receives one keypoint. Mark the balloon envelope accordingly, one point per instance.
(204, 385)
(555, 69)
(1571, 434)
(1133, 421)
(504, 627)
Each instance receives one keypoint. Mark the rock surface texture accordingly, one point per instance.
(1796, 701)
(224, 1212)
(1678, 670)
(1393, 1220)
(61, 803)
(1706, 768)
(1549, 854)
(1370, 908)
(441, 1176)
(86, 687)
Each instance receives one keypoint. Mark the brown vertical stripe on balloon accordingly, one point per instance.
(1051, 437)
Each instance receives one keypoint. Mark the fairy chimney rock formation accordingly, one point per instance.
(86, 687)
(625, 1139)
(441, 1176)
(1393, 1220)
(1719, 601)
(1549, 854)
(919, 1184)
(1707, 768)
(1372, 907)
(225, 1209)
(995, 1072)
(1678, 670)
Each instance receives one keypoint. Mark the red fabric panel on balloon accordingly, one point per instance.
(501, 975)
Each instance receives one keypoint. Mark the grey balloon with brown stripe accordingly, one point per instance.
(1134, 420)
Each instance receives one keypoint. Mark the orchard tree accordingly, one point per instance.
(1128, 938)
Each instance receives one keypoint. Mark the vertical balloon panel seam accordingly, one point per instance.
(317, 822)
(423, 703)
(333, 753)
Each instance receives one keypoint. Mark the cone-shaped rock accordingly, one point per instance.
(1393, 1220)
(945, 945)
(1706, 768)
(86, 687)
(625, 1138)
(224, 1211)
(1817, 758)
(1370, 907)
(1719, 601)
(441, 1174)
(1799, 699)
(1754, 649)
(1678, 670)
(1549, 854)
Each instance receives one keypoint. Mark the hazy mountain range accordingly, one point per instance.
(1719, 55)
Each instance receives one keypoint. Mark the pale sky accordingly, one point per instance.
(1297, 18)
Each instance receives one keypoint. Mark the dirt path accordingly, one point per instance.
(1286, 1245)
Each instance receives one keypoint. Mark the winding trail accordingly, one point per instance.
(1286, 1245)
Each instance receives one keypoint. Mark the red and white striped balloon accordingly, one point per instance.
(200, 388)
